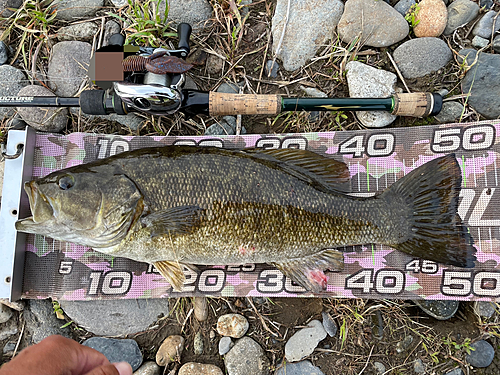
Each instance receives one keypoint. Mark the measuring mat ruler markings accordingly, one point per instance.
(376, 159)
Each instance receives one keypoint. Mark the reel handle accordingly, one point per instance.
(184, 33)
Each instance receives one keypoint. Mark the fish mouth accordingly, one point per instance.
(41, 209)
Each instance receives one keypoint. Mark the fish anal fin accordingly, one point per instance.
(328, 171)
(174, 221)
(172, 272)
(309, 271)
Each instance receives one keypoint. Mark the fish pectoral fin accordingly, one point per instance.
(327, 171)
(309, 271)
(175, 220)
(172, 272)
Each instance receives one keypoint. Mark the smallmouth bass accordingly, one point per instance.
(178, 206)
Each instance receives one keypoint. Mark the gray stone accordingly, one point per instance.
(116, 317)
(483, 82)
(8, 329)
(403, 345)
(419, 367)
(193, 368)
(246, 357)
(5, 312)
(215, 64)
(232, 325)
(479, 42)
(51, 120)
(70, 10)
(12, 80)
(5, 4)
(457, 371)
(170, 350)
(304, 341)
(41, 322)
(419, 57)
(84, 32)
(9, 348)
(311, 91)
(225, 344)
(460, 12)
(116, 350)
(243, 7)
(229, 88)
(195, 12)
(484, 309)
(198, 343)
(68, 67)
(308, 28)
(403, 6)
(4, 53)
(227, 126)
(381, 25)
(379, 367)
(17, 123)
(110, 28)
(271, 70)
(440, 310)
(482, 355)
(450, 112)
(119, 3)
(329, 324)
(298, 368)
(496, 44)
(220, 128)
(365, 81)
(486, 4)
(18, 306)
(148, 368)
(485, 25)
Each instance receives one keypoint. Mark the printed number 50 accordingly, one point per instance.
(473, 138)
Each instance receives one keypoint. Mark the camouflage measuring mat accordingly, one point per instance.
(376, 158)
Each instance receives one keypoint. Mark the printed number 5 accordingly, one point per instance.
(446, 140)
(456, 283)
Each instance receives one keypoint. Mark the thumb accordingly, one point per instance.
(120, 368)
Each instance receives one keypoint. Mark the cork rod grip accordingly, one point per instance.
(418, 104)
(243, 104)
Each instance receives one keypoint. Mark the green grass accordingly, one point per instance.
(145, 23)
(33, 20)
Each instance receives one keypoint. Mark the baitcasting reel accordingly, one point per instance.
(143, 79)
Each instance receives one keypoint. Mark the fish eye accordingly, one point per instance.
(66, 182)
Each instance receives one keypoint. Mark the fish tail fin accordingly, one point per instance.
(428, 198)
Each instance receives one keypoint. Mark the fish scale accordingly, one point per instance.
(299, 236)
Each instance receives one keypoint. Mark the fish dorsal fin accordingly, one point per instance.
(309, 271)
(324, 170)
(172, 272)
(174, 220)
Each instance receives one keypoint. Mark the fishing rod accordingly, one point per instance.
(148, 80)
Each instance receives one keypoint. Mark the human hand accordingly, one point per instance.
(57, 355)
